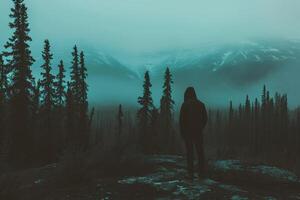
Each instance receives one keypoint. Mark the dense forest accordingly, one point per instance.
(42, 118)
(39, 116)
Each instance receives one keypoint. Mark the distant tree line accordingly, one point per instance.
(39, 118)
(264, 127)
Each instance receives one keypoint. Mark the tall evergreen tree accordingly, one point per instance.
(75, 76)
(47, 104)
(146, 103)
(21, 88)
(59, 111)
(144, 113)
(83, 87)
(167, 103)
(166, 111)
(73, 102)
(47, 82)
(60, 85)
(83, 102)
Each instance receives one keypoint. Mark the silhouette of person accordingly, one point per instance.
(193, 119)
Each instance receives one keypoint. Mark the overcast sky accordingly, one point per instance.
(128, 29)
(143, 25)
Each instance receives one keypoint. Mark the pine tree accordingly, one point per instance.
(146, 103)
(21, 88)
(144, 113)
(73, 100)
(59, 111)
(83, 102)
(47, 104)
(83, 87)
(167, 103)
(75, 76)
(166, 109)
(47, 82)
(60, 85)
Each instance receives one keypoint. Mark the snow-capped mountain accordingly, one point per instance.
(216, 57)
(229, 69)
(102, 64)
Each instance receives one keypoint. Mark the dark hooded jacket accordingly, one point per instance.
(193, 115)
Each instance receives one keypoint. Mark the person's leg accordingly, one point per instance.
(190, 157)
(200, 154)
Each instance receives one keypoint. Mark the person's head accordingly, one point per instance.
(190, 94)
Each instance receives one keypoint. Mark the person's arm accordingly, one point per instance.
(182, 120)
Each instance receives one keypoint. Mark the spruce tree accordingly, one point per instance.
(60, 85)
(83, 102)
(47, 82)
(144, 113)
(21, 88)
(146, 103)
(73, 101)
(167, 104)
(60, 97)
(75, 76)
(47, 104)
(83, 87)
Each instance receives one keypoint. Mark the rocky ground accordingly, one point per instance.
(226, 179)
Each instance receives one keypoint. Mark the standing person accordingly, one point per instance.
(193, 119)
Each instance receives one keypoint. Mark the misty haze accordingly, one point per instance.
(230, 49)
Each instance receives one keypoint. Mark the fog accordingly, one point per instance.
(142, 25)
(131, 28)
